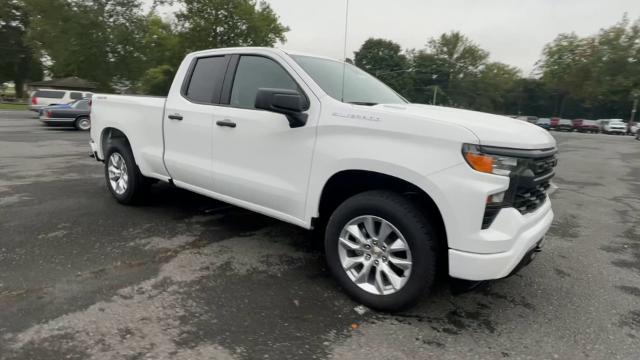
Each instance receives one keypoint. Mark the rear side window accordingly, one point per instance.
(206, 79)
(49, 94)
(82, 105)
(75, 95)
(255, 72)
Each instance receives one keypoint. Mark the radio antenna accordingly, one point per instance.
(344, 50)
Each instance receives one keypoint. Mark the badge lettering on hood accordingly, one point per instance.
(357, 116)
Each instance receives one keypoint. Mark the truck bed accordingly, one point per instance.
(141, 117)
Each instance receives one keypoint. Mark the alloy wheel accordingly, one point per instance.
(375, 255)
(118, 176)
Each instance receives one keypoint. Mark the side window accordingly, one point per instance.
(253, 73)
(52, 94)
(82, 105)
(206, 79)
(75, 95)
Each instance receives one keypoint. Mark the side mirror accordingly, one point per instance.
(290, 103)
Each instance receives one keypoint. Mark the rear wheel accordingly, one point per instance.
(124, 180)
(82, 123)
(382, 249)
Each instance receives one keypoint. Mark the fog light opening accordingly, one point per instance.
(495, 198)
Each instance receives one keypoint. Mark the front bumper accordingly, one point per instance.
(94, 150)
(531, 227)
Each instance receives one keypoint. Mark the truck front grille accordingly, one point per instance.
(530, 195)
(530, 200)
(528, 187)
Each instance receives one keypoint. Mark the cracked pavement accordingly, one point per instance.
(186, 277)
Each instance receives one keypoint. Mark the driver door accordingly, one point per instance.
(258, 158)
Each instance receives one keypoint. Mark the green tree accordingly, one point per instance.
(385, 60)
(594, 76)
(494, 85)
(161, 43)
(157, 81)
(529, 96)
(616, 65)
(567, 66)
(459, 61)
(429, 75)
(94, 39)
(18, 61)
(205, 24)
(458, 54)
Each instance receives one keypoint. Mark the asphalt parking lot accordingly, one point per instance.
(186, 277)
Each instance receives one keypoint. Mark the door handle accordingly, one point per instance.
(226, 122)
(175, 117)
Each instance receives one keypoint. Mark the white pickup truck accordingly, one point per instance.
(400, 190)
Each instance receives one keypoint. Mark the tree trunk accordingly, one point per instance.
(19, 87)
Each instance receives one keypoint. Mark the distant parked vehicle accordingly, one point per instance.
(58, 106)
(613, 126)
(564, 125)
(588, 126)
(47, 97)
(576, 124)
(531, 119)
(76, 115)
(544, 123)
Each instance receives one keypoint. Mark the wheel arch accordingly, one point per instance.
(346, 183)
(108, 135)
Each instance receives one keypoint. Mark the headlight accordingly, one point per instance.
(488, 163)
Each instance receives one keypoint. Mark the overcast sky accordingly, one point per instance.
(513, 31)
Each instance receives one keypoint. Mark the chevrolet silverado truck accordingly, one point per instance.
(399, 191)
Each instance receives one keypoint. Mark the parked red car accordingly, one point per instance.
(577, 124)
(590, 126)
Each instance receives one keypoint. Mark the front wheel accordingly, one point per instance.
(381, 248)
(124, 180)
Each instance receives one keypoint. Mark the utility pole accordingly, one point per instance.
(435, 94)
(633, 111)
(635, 95)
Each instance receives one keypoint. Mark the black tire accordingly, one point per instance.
(137, 184)
(80, 123)
(415, 226)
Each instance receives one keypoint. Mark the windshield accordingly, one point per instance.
(359, 86)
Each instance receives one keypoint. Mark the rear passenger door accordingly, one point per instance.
(188, 122)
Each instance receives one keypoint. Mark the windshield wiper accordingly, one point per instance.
(365, 103)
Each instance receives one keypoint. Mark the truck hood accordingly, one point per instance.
(491, 130)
